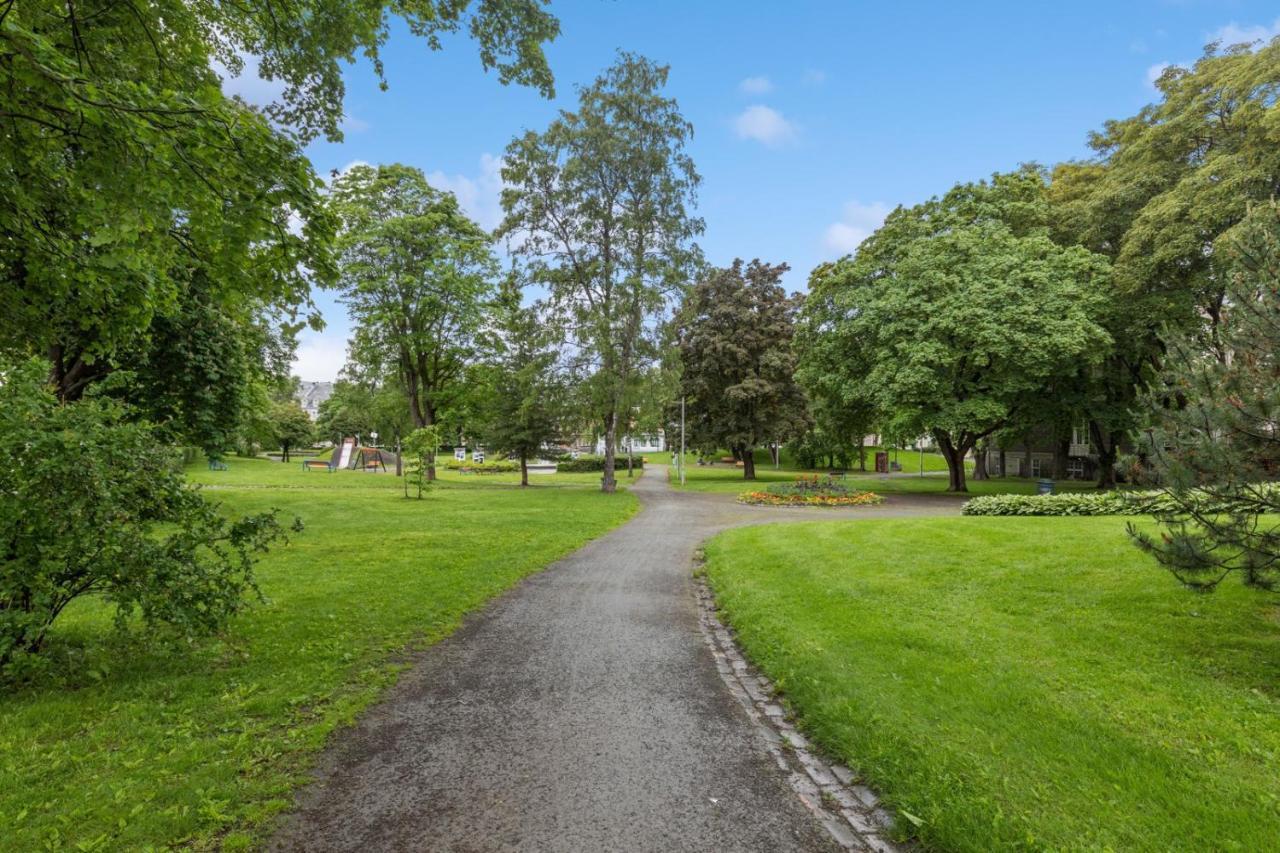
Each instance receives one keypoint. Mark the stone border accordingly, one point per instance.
(852, 813)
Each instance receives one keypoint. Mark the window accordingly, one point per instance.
(1075, 469)
(1036, 465)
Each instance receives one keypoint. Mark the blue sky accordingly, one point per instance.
(811, 119)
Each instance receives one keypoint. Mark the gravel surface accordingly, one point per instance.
(581, 711)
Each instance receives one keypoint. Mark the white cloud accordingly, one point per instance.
(756, 86)
(764, 124)
(1153, 73)
(248, 85)
(815, 77)
(351, 124)
(855, 225)
(320, 355)
(479, 196)
(1234, 33)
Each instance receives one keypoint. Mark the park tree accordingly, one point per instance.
(736, 329)
(197, 373)
(828, 366)
(1216, 438)
(289, 427)
(124, 166)
(92, 504)
(416, 274)
(598, 208)
(1165, 189)
(959, 312)
(525, 400)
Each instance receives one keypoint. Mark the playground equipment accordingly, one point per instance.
(344, 453)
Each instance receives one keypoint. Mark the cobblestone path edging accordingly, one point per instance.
(851, 812)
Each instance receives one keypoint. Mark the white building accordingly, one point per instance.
(654, 442)
(312, 394)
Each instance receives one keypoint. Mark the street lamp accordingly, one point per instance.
(373, 436)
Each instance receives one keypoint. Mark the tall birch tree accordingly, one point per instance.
(598, 206)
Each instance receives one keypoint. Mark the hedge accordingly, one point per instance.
(1089, 503)
(587, 464)
(496, 466)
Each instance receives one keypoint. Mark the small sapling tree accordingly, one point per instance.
(420, 446)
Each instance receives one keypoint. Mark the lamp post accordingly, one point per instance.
(682, 441)
(373, 436)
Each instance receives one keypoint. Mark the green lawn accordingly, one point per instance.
(1020, 683)
(727, 478)
(132, 745)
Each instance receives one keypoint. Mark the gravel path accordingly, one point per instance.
(581, 711)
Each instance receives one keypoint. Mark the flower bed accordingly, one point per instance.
(771, 499)
(810, 490)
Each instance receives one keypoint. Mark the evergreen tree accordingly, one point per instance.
(526, 394)
(1217, 443)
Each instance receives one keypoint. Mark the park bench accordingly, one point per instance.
(217, 465)
(309, 464)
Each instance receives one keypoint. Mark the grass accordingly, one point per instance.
(134, 744)
(728, 479)
(1015, 683)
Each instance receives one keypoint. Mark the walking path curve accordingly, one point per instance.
(581, 711)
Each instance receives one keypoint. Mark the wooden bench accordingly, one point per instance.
(309, 464)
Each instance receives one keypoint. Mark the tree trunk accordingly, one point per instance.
(1004, 463)
(1060, 457)
(748, 464)
(399, 457)
(631, 462)
(954, 454)
(284, 456)
(980, 463)
(429, 418)
(1106, 455)
(862, 454)
(608, 482)
(524, 469)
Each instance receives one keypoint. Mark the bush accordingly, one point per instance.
(1091, 503)
(90, 503)
(497, 466)
(587, 464)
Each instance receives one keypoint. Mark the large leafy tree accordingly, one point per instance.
(959, 313)
(288, 427)
(843, 408)
(735, 331)
(123, 166)
(1216, 443)
(416, 275)
(598, 206)
(526, 401)
(1167, 187)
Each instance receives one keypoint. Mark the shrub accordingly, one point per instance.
(497, 466)
(1091, 503)
(90, 504)
(587, 464)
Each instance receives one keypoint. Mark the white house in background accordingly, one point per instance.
(653, 442)
(312, 394)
